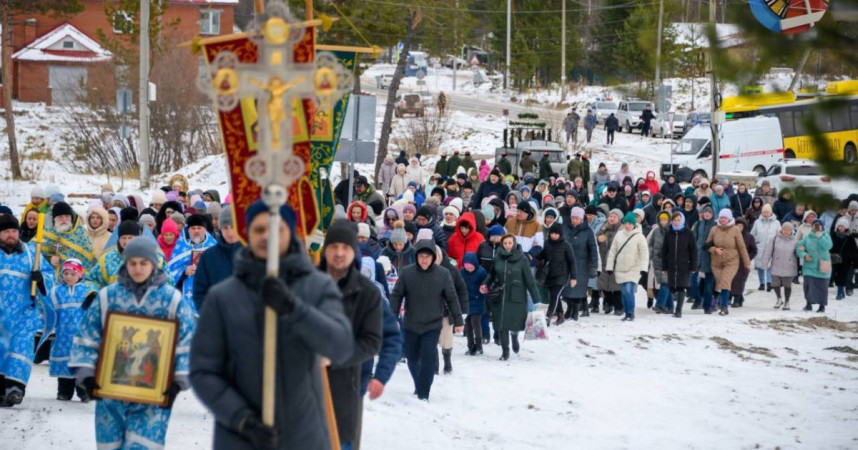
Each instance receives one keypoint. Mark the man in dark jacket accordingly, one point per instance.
(215, 263)
(424, 287)
(227, 356)
(362, 304)
(493, 185)
(784, 205)
(504, 165)
(612, 124)
(614, 200)
(651, 211)
(453, 165)
(670, 187)
(545, 170)
(646, 120)
(527, 163)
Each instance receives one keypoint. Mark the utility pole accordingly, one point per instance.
(143, 103)
(508, 37)
(563, 54)
(455, 43)
(658, 46)
(713, 86)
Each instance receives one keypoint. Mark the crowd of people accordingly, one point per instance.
(408, 262)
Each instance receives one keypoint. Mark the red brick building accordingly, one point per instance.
(52, 56)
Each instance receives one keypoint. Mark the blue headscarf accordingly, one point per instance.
(681, 224)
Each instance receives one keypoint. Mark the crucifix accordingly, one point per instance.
(279, 85)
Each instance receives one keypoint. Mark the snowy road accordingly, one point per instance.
(758, 378)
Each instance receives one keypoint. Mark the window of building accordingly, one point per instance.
(122, 21)
(210, 21)
(68, 44)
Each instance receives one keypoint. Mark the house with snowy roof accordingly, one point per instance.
(55, 58)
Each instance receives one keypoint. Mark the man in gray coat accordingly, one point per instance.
(227, 356)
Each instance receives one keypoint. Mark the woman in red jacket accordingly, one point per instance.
(464, 239)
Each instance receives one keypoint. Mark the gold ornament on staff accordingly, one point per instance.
(277, 81)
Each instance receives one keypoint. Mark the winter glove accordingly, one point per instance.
(90, 385)
(172, 392)
(277, 295)
(259, 434)
(40, 281)
(643, 273)
(609, 272)
(88, 300)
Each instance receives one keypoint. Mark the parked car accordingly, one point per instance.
(383, 81)
(661, 126)
(797, 175)
(603, 109)
(427, 97)
(450, 59)
(409, 104)
(629, 113)
(696, 118)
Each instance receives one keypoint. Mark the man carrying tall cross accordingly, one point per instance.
(226, 353)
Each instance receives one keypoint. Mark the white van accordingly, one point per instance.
(747, 145)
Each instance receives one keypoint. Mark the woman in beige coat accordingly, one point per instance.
(628, 260)
(727, 247)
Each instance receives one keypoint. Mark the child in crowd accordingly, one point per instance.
(474, 275)
(67, 298)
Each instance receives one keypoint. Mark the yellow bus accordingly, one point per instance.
(839, 127)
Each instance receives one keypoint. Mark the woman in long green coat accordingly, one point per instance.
(507, 287)
(814, 249)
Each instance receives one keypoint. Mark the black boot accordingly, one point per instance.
(515, 346)
(448, 363)
(575, 311)
(569, 307)
(740, 300)
(649, 303)
(437, 364)
(609, 308)
(585, 309)
(504, 353)
(808, 307)
(762, 287)
(594, 302)
(680, 299)
(696, 304)
(821, 309)
(479, 348)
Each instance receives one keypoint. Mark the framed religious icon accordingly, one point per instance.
(135, 362)
(195, 256)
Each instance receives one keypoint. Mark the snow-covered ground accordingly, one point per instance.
(757, 379)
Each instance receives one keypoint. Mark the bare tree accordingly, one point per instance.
(423, 134)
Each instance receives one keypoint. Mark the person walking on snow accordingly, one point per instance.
(17, 271)
(678, 259)
(226, 352)
(142, 289)
(589, 124)
(67, 298)
(628, 260)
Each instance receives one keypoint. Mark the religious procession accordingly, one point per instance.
(273, 309)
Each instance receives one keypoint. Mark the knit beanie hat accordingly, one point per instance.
(258, 207)
(178, 218)
(424, 211)
(129, 228)
(556, 227)
(591, 210)
(726, 213)
(128, 213)
(496, 230)
(37, 191)
(74, 265)
(224, 219)
(398, 236)
(411, 227)
(169, 226)
(767, 208)
(147, 219)
(56, 198)
(631, 218)
(616, 212)
(424, 233)
(363, 230)
(842, 222)
(141, 247)
(451, 210)
(488, 212)
(213, 209)
(159, 197)
(663, 215)
(342, 232)
(577, 212)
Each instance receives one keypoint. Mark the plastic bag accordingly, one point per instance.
(534, 327)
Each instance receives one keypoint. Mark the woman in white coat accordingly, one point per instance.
(628, 260)
(764, 231)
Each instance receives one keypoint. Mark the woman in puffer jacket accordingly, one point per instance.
(780, 260)
(557, 262)
(846, 251)
(814, 251)
(727, 247)
(607, 282)
(628, 260)
(765, 228)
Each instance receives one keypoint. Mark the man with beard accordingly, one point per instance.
(21, 318)
(363, 306)
(66, 238)
(186, 255)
